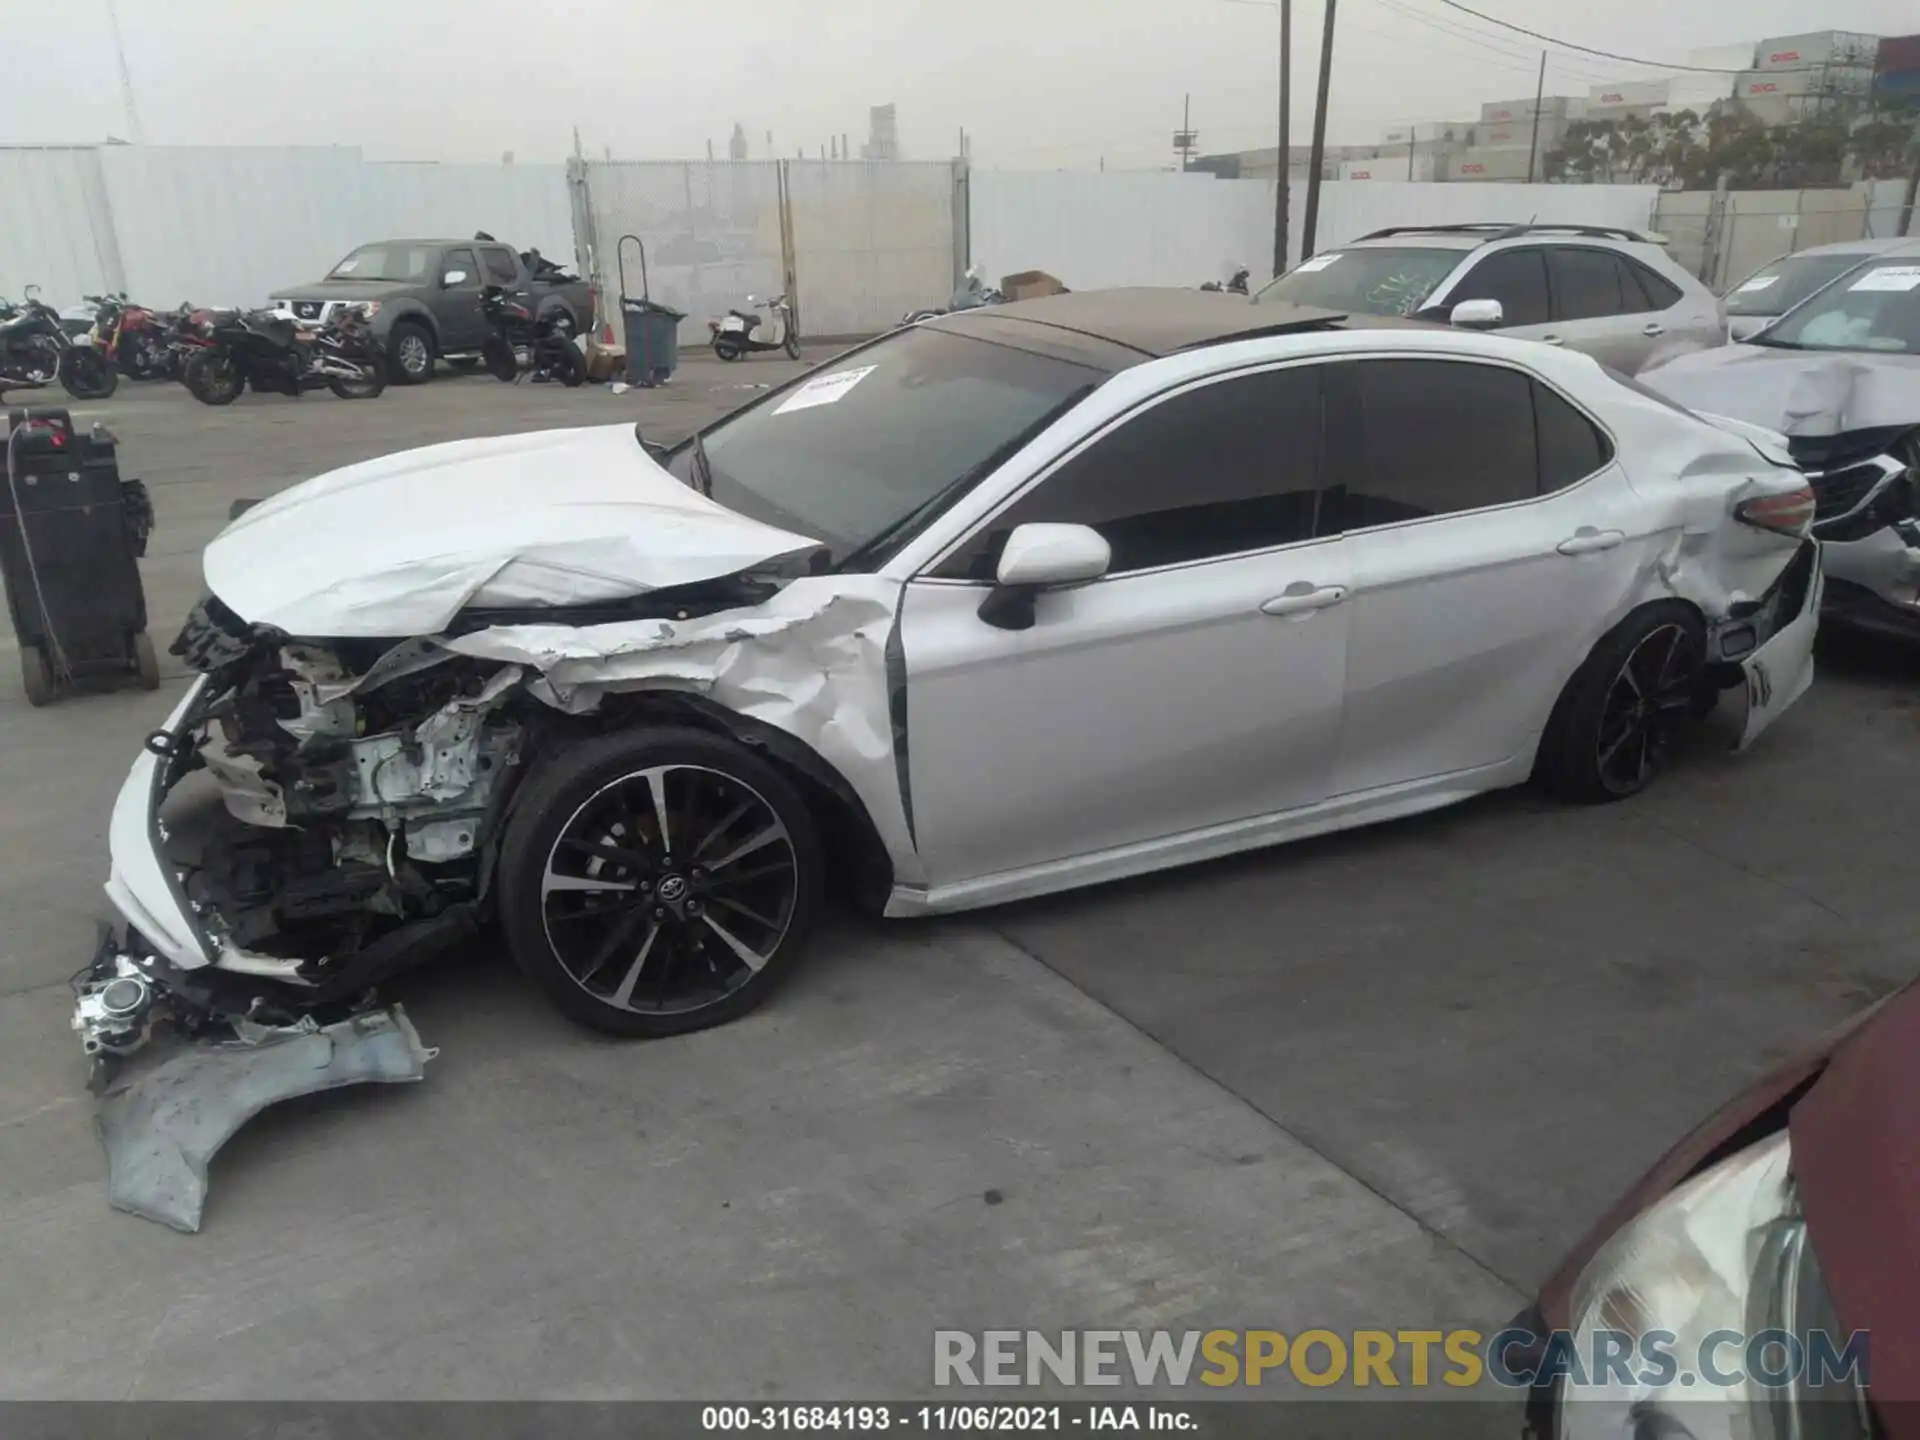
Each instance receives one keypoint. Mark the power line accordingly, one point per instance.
(1603, 54)
(1480, 37)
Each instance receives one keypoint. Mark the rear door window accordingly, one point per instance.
(1586, 285)
(1659, 292)
(1421, 438)
(500, 267)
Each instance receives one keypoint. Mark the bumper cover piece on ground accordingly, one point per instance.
(170, 1110)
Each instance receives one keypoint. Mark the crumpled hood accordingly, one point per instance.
(398, 546)
(1797, 392)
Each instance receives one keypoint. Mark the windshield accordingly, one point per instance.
(884, 437)
(1382, 280)
(1775, 289)
(385, 262)
(1875, 308)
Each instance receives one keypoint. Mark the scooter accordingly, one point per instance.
(738, 332)
(969, 294)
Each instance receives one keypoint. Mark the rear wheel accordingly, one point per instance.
(569, 366)
(212, 378)
(410, 348)
(727, 349)
(36, 675)
(1613, 727)
(372, 382)
(658, 881)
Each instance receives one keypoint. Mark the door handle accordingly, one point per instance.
(1587, 540)
(1655, 329)
(1302, 598)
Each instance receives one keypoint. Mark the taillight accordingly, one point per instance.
(1788, 514)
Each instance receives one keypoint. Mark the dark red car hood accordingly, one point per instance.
(1852, 1103)
(1856, 1157)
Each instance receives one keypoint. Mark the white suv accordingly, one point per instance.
(1613, 294)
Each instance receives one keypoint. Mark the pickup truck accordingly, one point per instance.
(425, 296)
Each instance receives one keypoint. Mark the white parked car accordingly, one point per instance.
(1014, 600)
(1783, 282)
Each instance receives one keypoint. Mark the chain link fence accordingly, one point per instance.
(1724, 236)
(869, 241)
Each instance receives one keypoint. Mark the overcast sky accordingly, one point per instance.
(1037, 84)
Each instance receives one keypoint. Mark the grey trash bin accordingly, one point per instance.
(653, 340)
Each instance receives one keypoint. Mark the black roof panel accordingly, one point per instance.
(1115, 329)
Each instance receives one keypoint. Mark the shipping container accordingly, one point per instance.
(1429, 132)
(1389, 167)
(1898, 55)
(1821, 47)
(1479, 164)
(1552, 107)
(1812, 83)
(1699, 93)
(1605, 101)
(1520, 135)
(1723, 57)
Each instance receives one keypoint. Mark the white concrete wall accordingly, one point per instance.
(224, 225)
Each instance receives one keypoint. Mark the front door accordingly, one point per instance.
(1491, 535)
(1197, 684)
(462, 324)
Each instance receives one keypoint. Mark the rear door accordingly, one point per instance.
(1197, 684)
(1492, 540)
(1601, 306)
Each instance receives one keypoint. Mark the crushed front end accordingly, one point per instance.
(1867, 519)
(310, 821)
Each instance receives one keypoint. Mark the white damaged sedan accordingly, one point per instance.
(1011, 601)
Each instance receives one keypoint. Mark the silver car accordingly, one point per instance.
(1614, 294)
(1780, 284)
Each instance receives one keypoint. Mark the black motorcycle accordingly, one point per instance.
(523, 342)
(35, 351)
(237, 349)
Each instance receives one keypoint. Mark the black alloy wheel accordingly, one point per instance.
(659, 882)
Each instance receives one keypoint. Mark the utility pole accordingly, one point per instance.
(1284, 184)
(1539, 96)
(1317, 159)
(1183, 138)
(135, 132)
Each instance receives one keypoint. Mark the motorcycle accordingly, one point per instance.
(35, 351)
(969, 294)
(1236, 283)
(132, 337)
(523, 342)
(734, 335)
(237, 349)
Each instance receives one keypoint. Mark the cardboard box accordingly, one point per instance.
(604, 361)
(1030, 285)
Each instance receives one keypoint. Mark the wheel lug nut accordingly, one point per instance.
(659, 912)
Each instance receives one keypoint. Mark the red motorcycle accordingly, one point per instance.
(133, 338)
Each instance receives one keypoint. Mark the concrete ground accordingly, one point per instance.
(1378, 1080)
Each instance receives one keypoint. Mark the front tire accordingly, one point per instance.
(410, 348)
(658, 881)
(1611, 731)
(569, 366)
(146, 665)
(86, 375)
(212, 378)
(36, 676)
(792, 344)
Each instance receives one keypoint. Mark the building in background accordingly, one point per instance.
(883, 135)
(1264, 164)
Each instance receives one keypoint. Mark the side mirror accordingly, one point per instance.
(1478, 315)
(1039, 557)
(452, 278)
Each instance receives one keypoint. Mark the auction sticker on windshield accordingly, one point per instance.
(1319, 262)
(824, 391)
(1889, 277)
(1758, 282)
